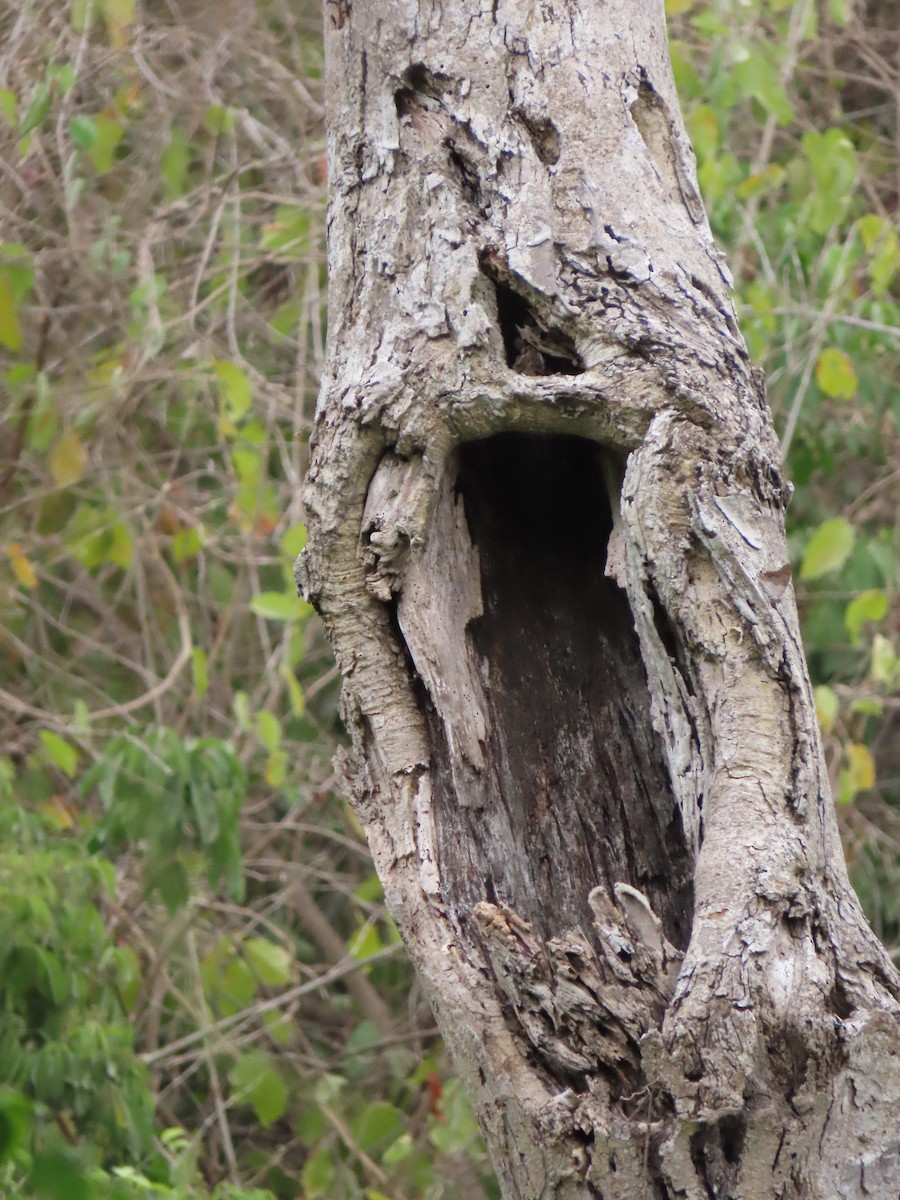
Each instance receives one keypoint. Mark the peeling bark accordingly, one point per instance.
(546, 537)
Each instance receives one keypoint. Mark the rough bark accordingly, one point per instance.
(546, 537)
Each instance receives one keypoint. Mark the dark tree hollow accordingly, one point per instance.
(575, 791)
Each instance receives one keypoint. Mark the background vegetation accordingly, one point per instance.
(200, 991)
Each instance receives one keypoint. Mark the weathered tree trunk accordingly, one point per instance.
(546, 537)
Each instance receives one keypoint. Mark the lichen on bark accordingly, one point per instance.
(546, 538)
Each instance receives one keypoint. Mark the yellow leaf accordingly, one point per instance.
(201, 678)
(835, 374)
(68, 458)
(861, 766)
(21, 565)
(119, 15)
(828, 548)
(10, 330)
(826, 707)
(59, 813)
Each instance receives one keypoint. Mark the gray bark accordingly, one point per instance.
(546, 537)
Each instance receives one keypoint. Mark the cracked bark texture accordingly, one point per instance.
(546, 537)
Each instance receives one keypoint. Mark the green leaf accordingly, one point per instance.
(83, 132)
(834, 164)
(276, 769)
(871, 605)
(58, 1176)
(235, 388)
(218, 119)
(237, 986)
(840, 11)
(174, 164)
(365, 942)
(288, 234)
(828, 548)
(41, 428)
(757, 76)
(268, 730)
(295, 691)
(201, 679)
(279, 1027)
(16, 279)
(871, 228)
(833, 159)
(293, 540)
(38, 107)
(377, 1126)
(459, 1127)
(885, 264)
(399, 1150)
(311, 1125)
(79, 14)
(328, 1087)
(766, 180)
(365, 1037)
(881, 242)
(128, 970)
(102, 153)
(172, 882)
(60, 752)
(242, 711)
(15, 1122)
(62, 74)
(835, 374)
(18, 261)
(96, 538)
(826, 707)
(258, 1083)
(56, 983)
(68, 459)
(319, 1174)
(8, 105)
(187, 543)
(278, 606)
(247, 466)
(884, 660)
(50, 1070)
(271, 963)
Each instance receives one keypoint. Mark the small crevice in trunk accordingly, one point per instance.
(671, 644)
(530, 347)
(543, 134)
(653, 123)
(698, 1158)
(717, 1152)
(574, 793)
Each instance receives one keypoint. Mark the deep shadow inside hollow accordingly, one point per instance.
(575, 792)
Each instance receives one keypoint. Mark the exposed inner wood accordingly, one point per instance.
(574, 793)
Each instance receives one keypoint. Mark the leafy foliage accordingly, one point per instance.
(794, 121)
(64, 1042)
(200, 990)
(201, 993)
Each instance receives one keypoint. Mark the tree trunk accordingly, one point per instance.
(546, 537)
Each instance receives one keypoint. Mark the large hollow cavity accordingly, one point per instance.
(574, 792)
